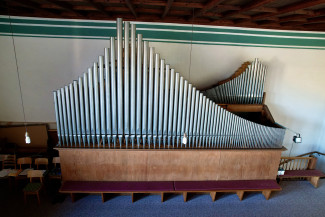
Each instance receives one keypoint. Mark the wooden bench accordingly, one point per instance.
(312, 176)
(104, 187)
(212, 187)
(301, 167)
(238, 186)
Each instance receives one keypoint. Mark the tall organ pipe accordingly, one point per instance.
(120, 120)
(87, 104)
(68, 109)
(102, 99)
(150, 96)
(113, 93)
(82, 111)
(57, 116)
(91, 105)
(133, 85)
(156, 92)
(171, 106)
(97, 106)
(139, 89)
(145, 93)
(62, 130)
(126, 82)
(77, 109)
(108, 97)
(174, 136)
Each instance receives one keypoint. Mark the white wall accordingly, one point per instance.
(294, 85)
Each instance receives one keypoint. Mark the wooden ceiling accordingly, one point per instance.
(271, 14)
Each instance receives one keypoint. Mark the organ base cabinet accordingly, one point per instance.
(168, 165)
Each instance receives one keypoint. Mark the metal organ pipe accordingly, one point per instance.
(145, 94)
(91, 106)
(126, 83)
(77, 107)
(156, 92)
(102, 100)
(166, 106)
(141, 99)
(97, 106)
(87, 112)
(139, 89)
(120, 129)
(133, 86)
(113, 93)
(161, 101)
(150, 95)
(57, 116)
(82, 111)
(108, 109)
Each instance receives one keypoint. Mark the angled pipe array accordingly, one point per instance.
(247, 88)
(131, 98)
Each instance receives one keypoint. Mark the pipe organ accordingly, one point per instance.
(245, 88)
(131, 98)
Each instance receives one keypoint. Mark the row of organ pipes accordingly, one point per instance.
(246, 88)
(131, 98)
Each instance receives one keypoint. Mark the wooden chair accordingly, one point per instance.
(24, 161)
(41, 161)
(55, 161)
(55, 173)
(9, 161)
(34, 187)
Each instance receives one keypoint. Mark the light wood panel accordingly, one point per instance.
(168, 165)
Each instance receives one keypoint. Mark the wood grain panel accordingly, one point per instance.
(168, 165)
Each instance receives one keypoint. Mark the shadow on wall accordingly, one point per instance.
(299, 124)
(274, 75)
(321, 148)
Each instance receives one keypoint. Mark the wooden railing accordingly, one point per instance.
(297, 163)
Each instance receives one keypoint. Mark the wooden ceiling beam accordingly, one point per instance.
(244, 21)
(98, 7)
(319, 12)
(212, 14)
(65, 6)
(294, 17)
(155, 3)
(84, 8)
(228, 7)
(32, 5)
(207, 7)
(316, 20)
(293, 23)
(265, 9)
(314, 25)
(268, 23)
(167, 8)
(290, 8)
(300, 5)
(9, 10)
(250, 6)
(130, 6)
(222, 22)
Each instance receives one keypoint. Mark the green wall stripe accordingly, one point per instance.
(175, 33)
(169, 41)
(57, 22)
(232, 30)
